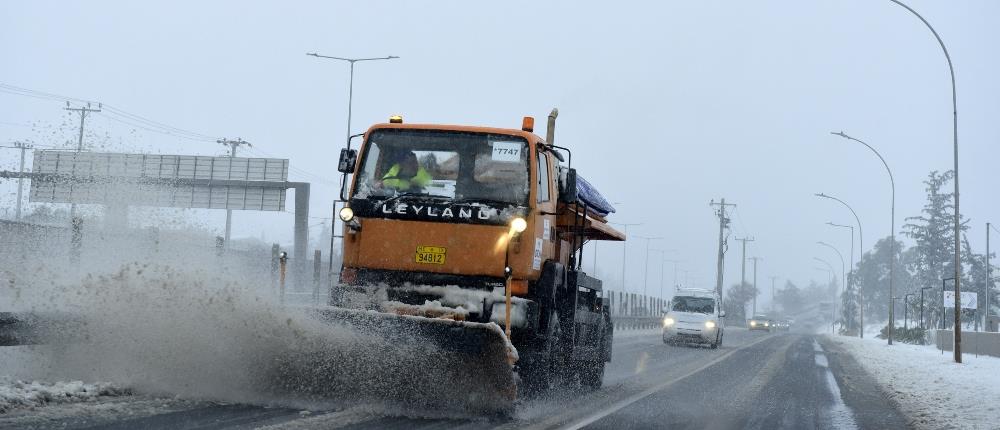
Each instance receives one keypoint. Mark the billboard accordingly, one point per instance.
(969, 300)
(181, 181)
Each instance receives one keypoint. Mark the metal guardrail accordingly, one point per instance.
(636, 322)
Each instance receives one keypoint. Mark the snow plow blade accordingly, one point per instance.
(419, 361)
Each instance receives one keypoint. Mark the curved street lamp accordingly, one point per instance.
(850, 261)
(861, 244)
(843, 277)
(892, 230)
(958, 226)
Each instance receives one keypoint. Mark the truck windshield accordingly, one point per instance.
(701, 305)
(444, 164)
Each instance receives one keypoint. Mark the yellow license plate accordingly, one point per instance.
(430, 255)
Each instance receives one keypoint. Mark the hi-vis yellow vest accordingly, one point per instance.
(391, 179)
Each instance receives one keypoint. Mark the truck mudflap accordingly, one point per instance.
(459, 364)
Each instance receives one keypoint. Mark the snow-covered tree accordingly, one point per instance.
(933, 232)
(735, 303)
(873, 275)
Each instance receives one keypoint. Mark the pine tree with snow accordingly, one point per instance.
(933, 232)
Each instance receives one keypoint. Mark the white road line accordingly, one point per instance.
(635, 398)
(841, 416)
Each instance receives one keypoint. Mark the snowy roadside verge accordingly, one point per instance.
(22, 394)
(930, 389)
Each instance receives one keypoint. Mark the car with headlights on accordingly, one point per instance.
(694, 316)
(761, 322)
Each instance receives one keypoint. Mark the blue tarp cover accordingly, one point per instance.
(593, 198)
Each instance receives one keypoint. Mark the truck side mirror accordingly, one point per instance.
(568, 194)
(722, 314)
(348, 160)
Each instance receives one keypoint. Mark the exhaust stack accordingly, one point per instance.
(550, 132)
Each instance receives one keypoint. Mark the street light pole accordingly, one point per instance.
(625, 248)
(850, 262)
(350, 87)
(906, 307)
(922, 306)
(861, 243)
(958, 219)
(645, 275)
(350, 103)
(675, 270)
(892, 228)
(833, 277)
(663, 255)
(943, 312)
(843, 276)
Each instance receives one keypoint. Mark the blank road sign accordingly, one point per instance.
(182, 181)
(968, 300)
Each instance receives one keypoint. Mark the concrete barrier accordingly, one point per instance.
(973, 342)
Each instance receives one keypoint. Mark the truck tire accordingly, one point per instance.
(591, 373)
(538, 374)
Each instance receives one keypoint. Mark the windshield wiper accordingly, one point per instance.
(485, 200)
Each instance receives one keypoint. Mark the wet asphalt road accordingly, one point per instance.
(754, 381)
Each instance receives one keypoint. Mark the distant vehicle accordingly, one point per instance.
(781, 325)
(760, 322)
(694, 316)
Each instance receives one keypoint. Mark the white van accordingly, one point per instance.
(694, 316)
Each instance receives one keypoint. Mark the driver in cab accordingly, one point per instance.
(406, 174)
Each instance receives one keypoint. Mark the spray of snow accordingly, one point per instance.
(163, 331)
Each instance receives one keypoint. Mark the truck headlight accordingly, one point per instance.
(668, 321)
(346, 214)
(710, 324)
(518, 225)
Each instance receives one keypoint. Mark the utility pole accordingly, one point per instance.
(233, 145)
(755, 283)
(20, 180)
(723, 223)
(79, 143)
(773, 309)
(743, 261)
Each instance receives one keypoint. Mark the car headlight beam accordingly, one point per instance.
(709, 324)
(668, 322)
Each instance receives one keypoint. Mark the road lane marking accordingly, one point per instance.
(650, 391)
(821, 361)
(841, 416)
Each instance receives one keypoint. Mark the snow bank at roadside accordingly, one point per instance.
(21, 394)
(930, 388)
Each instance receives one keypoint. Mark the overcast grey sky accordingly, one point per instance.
(667, 105)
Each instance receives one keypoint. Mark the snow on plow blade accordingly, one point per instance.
(420, 361)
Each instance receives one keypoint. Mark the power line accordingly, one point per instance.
(123, 115)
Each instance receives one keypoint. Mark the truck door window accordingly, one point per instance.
(543, 177)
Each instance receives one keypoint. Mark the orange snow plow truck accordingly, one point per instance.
(470, 239)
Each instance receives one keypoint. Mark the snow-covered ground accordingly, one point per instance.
(929, 387)
(22, 394)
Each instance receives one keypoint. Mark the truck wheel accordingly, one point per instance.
(591, 373)
(538, 374)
